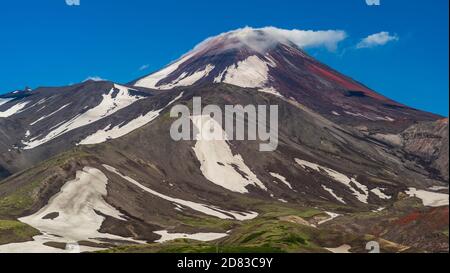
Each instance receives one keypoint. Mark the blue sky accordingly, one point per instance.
(48, 43)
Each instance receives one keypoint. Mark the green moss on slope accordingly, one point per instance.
(15, 231)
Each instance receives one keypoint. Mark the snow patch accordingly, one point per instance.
(429, 199)
(282, 179)
(49, 115)
(206, 209)
(380, 209)
(121, 130)
(204, 237)
(232, 174)
(108, 106)
(332, 216)
(361, 192)
(187, 80)
(152, 80)
(340, 199)
(386, 118)
(270, 90)
(438, 188)
(252, 72)
(38, 246)
(357, 115)
(76, 218)
(378, 192)
(15, 109)
(342, 249)
(3, 101)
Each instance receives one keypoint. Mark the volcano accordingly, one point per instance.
(265, 59)
(93, 163)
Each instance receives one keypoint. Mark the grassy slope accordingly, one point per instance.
(267, 233)
(264, 234)
(17, 198)
(15, 231)
(272, 233)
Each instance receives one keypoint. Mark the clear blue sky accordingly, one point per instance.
(47, 43)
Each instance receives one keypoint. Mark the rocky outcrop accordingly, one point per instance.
(429, 141)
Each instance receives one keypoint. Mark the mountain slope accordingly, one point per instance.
(261, 59)
(164, 178)
(94, 163)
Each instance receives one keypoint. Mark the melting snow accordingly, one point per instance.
(3, 101)
(438, 188)
(49, 115)
(357, 115)
(152, 80)
(361, 192)
(76, 205)
(186, 80)
(429, 199)
(121, 130)
(107, 107)
(209, 210)
(342, 249)
(17, 108)
(251, 72)
(380, 194)
(270, 90)
(332, 216)
(210, 152)
(335, 113)
(282, 179)
(37, 246)
(166, 236)
(340, 199)
(386, 118)
(380, 209)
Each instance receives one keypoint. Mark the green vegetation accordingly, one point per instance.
(277, 210)
(24, 195)
(190, 246)
(272, 234)
(19, 196)
(14, 204)
(208, 223)
(264, 234)
(254, 236)
(15, 231)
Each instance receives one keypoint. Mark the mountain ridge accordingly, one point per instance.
(344, 156)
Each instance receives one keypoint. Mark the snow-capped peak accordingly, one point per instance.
(240, 57)
(263, 39)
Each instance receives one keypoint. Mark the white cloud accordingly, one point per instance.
(377, 39)
(262, 39)
(144, 67)
(94, 78)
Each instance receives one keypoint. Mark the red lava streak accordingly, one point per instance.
(347, 83)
